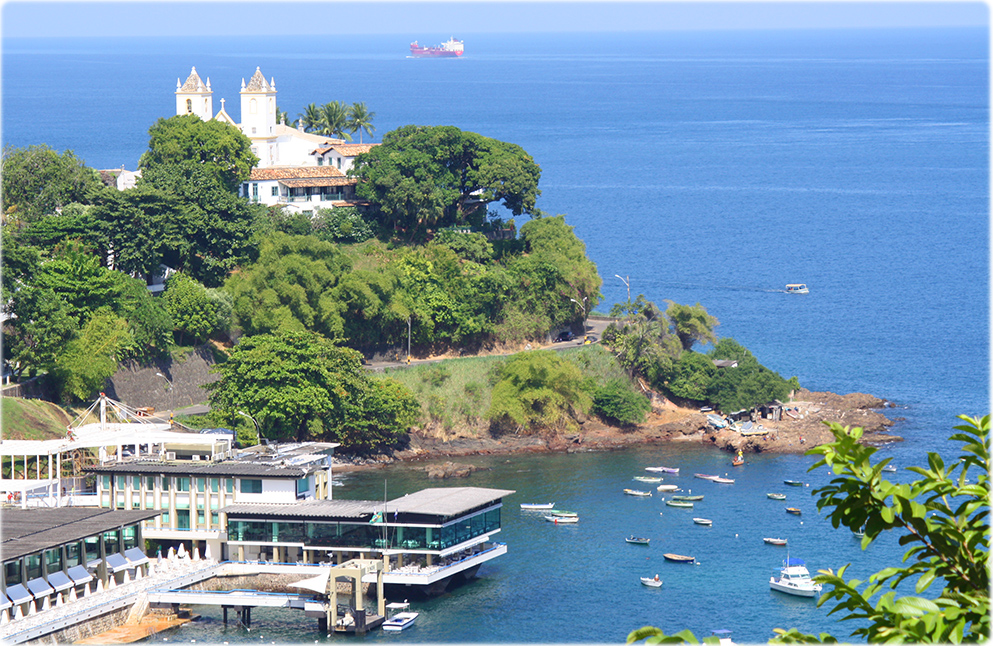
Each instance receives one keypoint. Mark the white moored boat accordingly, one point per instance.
(650, 582)
(537, 505)
(665, 487)
(562, 520)
(398, 616)
(795, 579)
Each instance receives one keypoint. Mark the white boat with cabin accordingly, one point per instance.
(537, 505)
(398, 616)
(797, 288)
(795, 579)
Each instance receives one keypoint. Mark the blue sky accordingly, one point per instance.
(67, 19)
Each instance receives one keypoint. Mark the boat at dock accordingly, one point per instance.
(655, 582)
(636, 540)
(678, 558)
(777, 496)
(637, 492)
(448, 49)
(795, 579)
(797, 288)
(537, 505)
(685, 504)
(399, 616)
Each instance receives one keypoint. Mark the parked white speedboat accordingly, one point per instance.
(398, 616)
(537, 505)
(795, 579)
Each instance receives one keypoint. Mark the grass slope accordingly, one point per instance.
(32, 419)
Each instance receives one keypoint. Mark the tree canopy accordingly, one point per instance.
(538, 391)
(37, 181)
(220, 149)
(942, 515)
(422, 177)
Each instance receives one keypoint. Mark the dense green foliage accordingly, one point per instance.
(422, 177)
(657, 346)
(538, 391)
(37, 181)
(617, 403)
(299, 385)
(196, 314)
(941, 515)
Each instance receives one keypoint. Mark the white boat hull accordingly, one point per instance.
(796, 590)
(400, 621)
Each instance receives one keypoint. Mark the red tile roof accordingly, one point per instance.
(346, 150)
(293, 172)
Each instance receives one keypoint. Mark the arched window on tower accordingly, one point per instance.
(253, 106)
(272, 105)
(206, 107)
(189, 106)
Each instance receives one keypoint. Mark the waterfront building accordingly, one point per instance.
(426, 539)
(51, 556)
(192, 493)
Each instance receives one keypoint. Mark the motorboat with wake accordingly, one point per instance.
(795, 579)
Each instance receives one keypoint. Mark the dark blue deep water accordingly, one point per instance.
(708, 167)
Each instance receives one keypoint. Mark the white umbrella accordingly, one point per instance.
(172, 553)
(45, 605)
(196, 553)
(182, 550)
(4, 617)
(100, 586)
(111, 582)
(58, 600)
(17, 612)
(72, 594)
(206, 552)
(137, 572)
(127, 577)
(31, 608)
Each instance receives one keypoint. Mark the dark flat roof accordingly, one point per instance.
(232, 468)
(439, 501)
(26, 531)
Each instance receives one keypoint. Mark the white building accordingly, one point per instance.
(297, 170)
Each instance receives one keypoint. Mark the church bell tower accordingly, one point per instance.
(195, 97)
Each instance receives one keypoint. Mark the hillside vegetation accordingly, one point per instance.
(33, 419)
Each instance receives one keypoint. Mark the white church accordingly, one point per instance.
(297, 170)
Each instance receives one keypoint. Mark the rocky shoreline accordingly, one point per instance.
(666, 423)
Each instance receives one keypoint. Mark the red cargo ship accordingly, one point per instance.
(447, 49)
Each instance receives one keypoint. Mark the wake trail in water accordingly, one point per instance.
(731, 288)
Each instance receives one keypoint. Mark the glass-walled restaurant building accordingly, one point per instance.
(425, 537)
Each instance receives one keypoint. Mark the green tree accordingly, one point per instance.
(194, 313)
(747, 385)
(290, 287)
(538, 391)
(334, 120)
(88, 360)
(360, 119)
(425, 176)
(378, 414)
(942, 515)
(311, 118)
(218, 148)
(692, 324)
(692, 376)
(643, 342)
(41, 327)
(37, 181)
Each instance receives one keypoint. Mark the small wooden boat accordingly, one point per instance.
(793, 483)
(678, 558)
(665, 487)
(537, 505)
(398, 616)
(561, 513)
(562, 520)
(775, 541)
(704, 476)
(652, 479)
(703, 521)
(737, 462)
(723, 480)
(637, 492)
(686, 504)
(777, 496)
(662, 469)
(636, 540)
(690, 498)
(793, 510)
(652, 582)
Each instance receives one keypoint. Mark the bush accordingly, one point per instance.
(618, 403)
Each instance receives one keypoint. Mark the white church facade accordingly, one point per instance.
(297, 170)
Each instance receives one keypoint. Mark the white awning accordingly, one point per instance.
(117, 562)
(39, 588)
(59, 581)
(318, 584)
(4, 602)
(18, 594)
(135, 556)
(79, 575)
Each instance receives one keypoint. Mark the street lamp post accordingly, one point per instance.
(628, 283)
(408, 340)
(258, 432)
(168, 383)
(582, 305)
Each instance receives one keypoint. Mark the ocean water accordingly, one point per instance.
(706, 167)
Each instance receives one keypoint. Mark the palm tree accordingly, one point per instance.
(359, 119)
(334, 120)
(311, 118)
